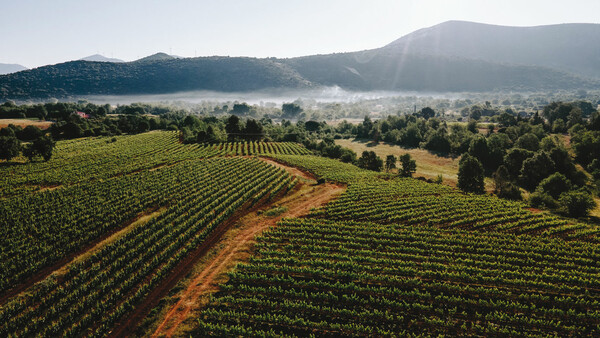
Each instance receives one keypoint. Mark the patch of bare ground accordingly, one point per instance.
(173, 318)
(61, 267)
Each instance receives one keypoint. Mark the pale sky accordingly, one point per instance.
(36, 33)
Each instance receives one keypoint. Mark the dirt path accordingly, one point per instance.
(237, 247)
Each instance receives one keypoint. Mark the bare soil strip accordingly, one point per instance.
(62, 265)
(237, 247)
(127, 325)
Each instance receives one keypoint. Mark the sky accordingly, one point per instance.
(41, 32)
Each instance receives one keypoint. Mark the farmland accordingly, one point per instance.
(195, 191)
(399, 256)
(93, 238)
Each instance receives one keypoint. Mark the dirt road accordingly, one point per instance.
(237, 247)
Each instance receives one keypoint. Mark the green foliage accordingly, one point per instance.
(514, 158)
(408, 166)
(503, 186)
(369, 160)
(470, 175)
(40, 147)
(576, 203)
(10, 147)
(535, 169)
(291, 110)
(554, 185)
(528, 141)
(437, 141)
(542, 200)
(390, 162)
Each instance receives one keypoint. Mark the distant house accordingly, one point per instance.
(82, 114)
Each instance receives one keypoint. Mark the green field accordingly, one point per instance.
(104, 186)
(394, 257)
(91, 236)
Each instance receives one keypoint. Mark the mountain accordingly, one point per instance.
(384, 69)
(450, 57)
(78, 78)
(100, 58)
(7, 68)
(568, 47)
(157, 57)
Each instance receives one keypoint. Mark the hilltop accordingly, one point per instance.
(453, 56)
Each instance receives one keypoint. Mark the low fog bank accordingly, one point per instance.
(274, 96)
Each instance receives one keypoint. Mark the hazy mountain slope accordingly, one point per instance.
(100, 58)
(7, 68)
(389, 70)
(569, 47)
(156, 57)
(167, 76)
(450, 57)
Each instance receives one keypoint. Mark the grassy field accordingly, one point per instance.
(25, 122)
(429, 165)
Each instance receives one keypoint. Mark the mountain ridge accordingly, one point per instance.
(454, 56)
(9, 68)
(100, 58)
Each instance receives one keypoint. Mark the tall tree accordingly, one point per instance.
(390, 162)
(470, 174)
(253, 130)
(232, 127)
(408, 166)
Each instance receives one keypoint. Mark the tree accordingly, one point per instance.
(479, 149)
(369, 160)
(535, 169)
(554, 185)
(312, 125)
(472, 127)
(42, 146)
(437, 140)
(74, 130)
(528, 141)
(30, 133)
(427, 113)
(503, 186)
(390, 162)
(408, 166)
(576, 203)
(514, 158)
(470, 174)
(10, 147)
(291, 110)
(253, 130)
(241, 109)
(411, 136)
(232, 127)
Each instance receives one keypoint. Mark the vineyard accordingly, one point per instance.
(193, 190)
(396, 257)
(389, 257)
(100, 158)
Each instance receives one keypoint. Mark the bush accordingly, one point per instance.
(576, 203)
(554, 185)
(542, 200)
